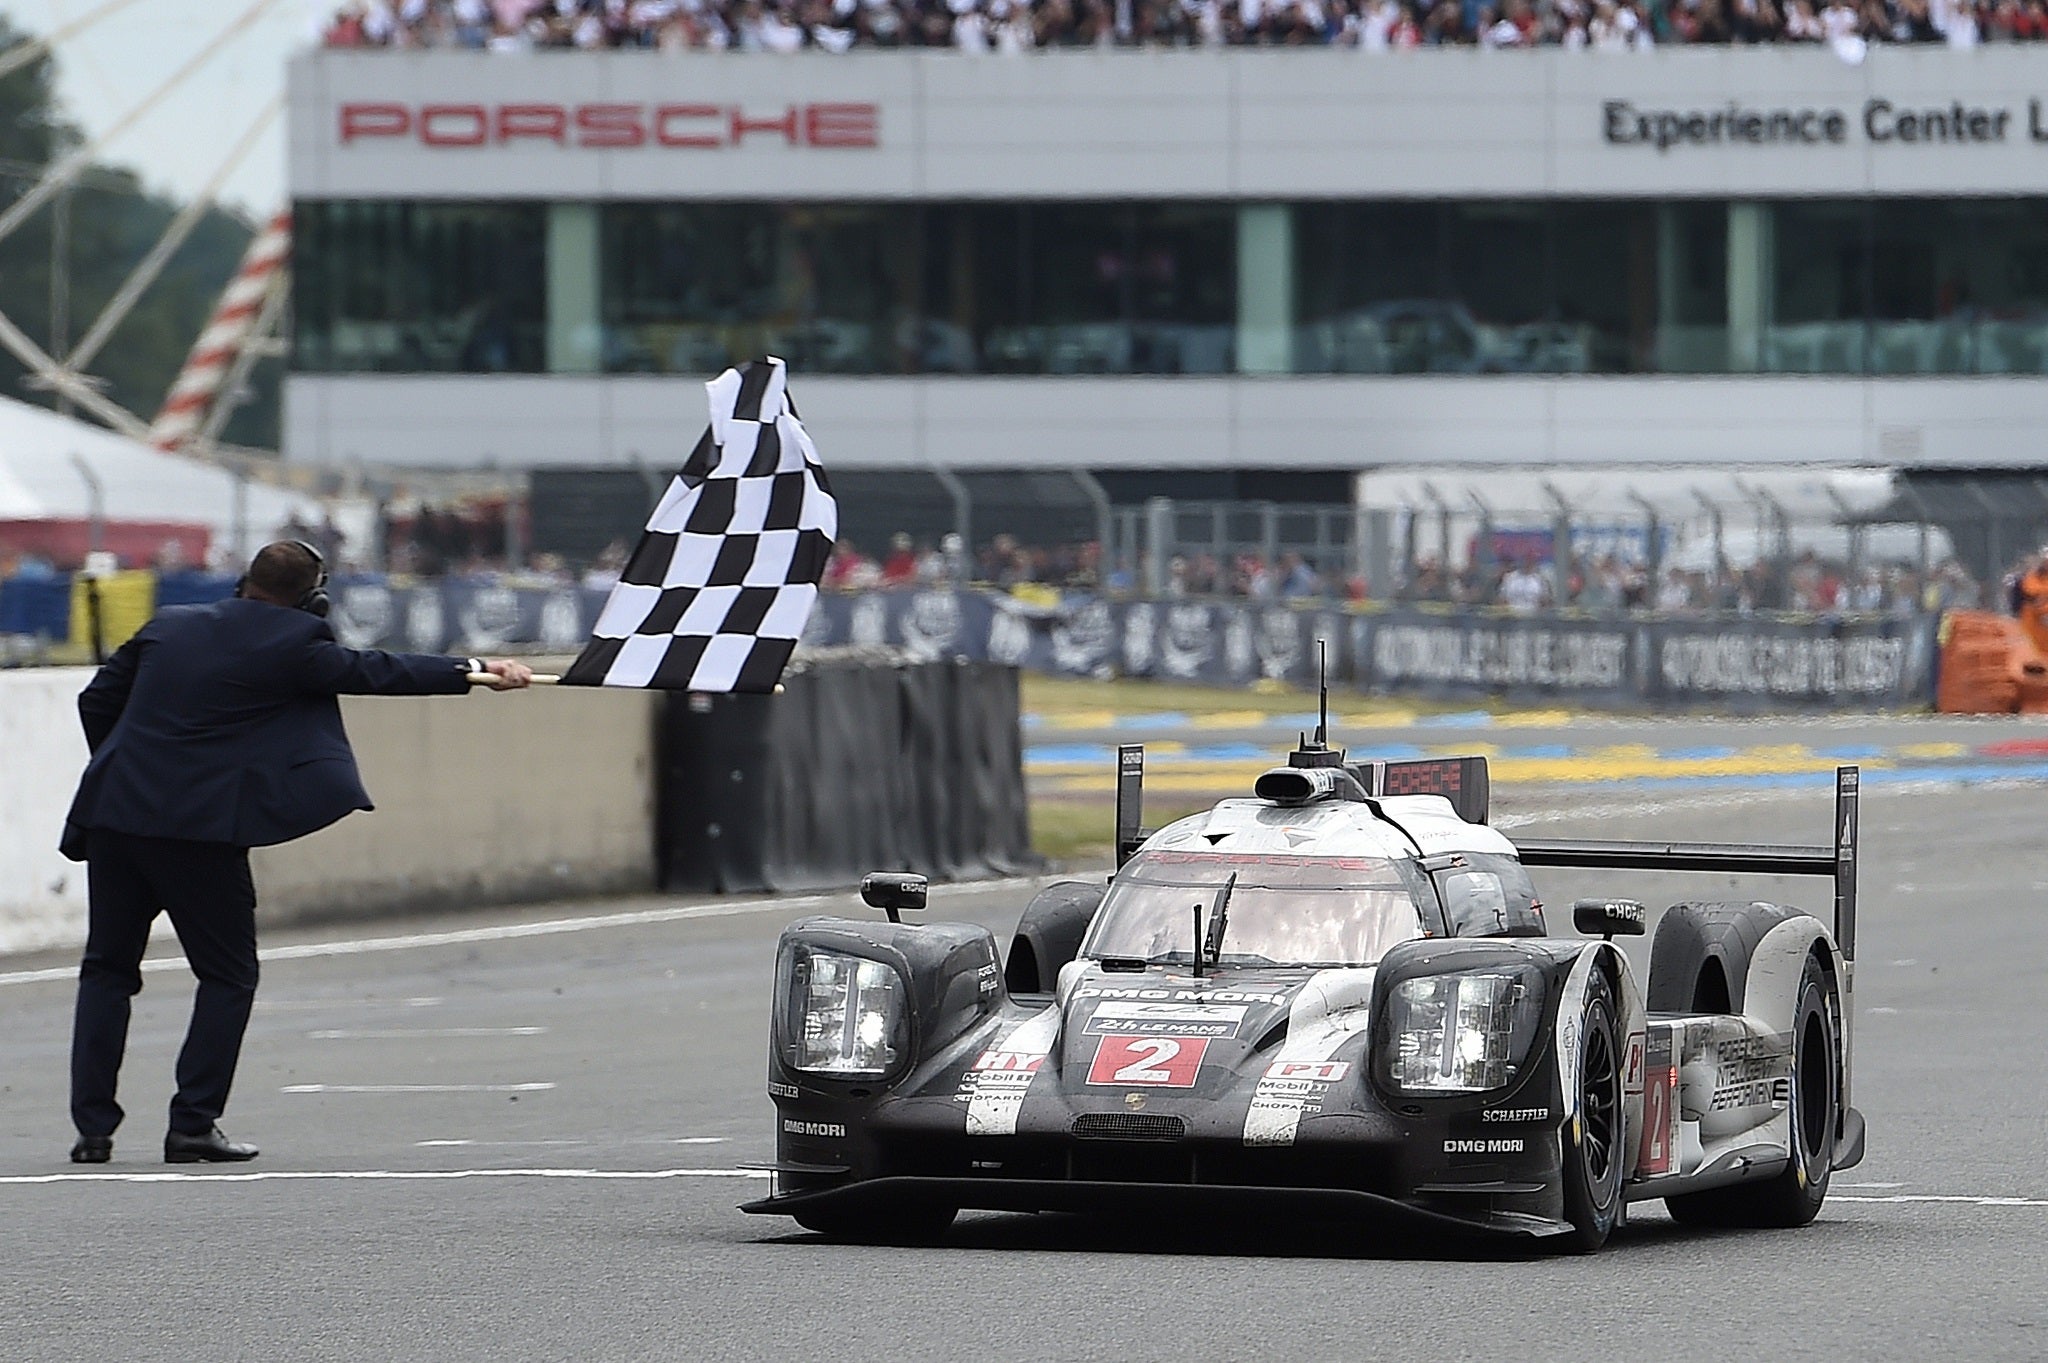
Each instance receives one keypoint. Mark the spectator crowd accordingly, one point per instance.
(1808, 584)
(1020, 25)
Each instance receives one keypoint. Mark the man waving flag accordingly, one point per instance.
(718, 590)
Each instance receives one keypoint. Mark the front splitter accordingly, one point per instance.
(1327, 1205)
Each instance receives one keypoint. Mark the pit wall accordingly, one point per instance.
(481, 799)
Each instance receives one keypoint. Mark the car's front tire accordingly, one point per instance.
(1595, 1138)
(1793, 1197)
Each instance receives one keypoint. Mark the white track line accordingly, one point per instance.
(381, 1175)
(409, 1033)
(513, 931)
(1953, 1199)
(635, 1140)
(416, 1088)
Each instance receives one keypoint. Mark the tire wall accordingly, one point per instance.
(854, 768)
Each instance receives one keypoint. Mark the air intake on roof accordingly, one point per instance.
(1306, 785)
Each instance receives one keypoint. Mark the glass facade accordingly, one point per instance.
(1802, 286)
(408, 288)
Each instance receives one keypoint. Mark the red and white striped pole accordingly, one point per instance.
(199, 383)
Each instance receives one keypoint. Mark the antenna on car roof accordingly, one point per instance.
(1317, 752)
(1322, 692)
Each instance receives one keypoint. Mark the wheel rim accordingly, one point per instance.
(1812, 1081)
(1599, 1104)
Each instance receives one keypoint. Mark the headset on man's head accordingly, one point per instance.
(315, 600)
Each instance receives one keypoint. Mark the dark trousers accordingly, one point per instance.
(207, 890)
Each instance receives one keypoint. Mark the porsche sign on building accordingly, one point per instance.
(1316, 260)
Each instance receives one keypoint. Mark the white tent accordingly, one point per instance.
(40, 479)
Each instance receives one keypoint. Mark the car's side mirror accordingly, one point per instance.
(1610, 918)
(899, 892)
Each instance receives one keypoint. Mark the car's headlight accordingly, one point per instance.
(1461, 1033)
(846, 1015)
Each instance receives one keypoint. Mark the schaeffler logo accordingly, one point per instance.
(613, 127)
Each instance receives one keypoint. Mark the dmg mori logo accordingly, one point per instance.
(613, 127)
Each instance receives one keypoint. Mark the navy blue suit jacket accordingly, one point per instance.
(219, 724)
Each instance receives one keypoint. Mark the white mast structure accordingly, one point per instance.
(243, 324)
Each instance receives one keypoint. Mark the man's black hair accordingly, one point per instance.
(284, 572)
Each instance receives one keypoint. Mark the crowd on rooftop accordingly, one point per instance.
(1020, 25)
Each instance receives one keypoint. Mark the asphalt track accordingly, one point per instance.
(517, 1136)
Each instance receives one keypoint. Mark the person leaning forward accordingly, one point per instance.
(215, 729)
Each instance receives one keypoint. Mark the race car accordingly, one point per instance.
(1340, 999)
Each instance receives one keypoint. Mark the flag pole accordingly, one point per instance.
(542, 679)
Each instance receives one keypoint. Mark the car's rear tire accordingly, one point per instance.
(1699, 959)
(1595, 1141)
(1049, 933)
(913, 1224)
(1792, 1197)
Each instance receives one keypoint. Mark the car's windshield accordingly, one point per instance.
(1283, 910)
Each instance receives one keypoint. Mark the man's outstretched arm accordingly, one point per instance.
(331, 669)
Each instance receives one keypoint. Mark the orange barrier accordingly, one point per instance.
(1989, 666)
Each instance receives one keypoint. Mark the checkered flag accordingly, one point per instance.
(718, 591)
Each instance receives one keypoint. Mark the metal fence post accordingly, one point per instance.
(1158, 531)
(1653, 539)
(1561, 556)
(1483, 543)
(1092, 489)
(963, 505)
(1443, 529)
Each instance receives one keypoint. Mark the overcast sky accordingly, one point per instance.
(110, 67)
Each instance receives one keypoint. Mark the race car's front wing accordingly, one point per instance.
(1482, 1209)
(1343, 1168)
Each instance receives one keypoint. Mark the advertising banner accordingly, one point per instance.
(1648, 662)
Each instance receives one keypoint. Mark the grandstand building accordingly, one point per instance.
(1238, 272)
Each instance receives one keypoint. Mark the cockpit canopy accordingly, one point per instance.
(1283, 909)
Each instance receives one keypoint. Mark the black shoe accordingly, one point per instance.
(92, 1150)
(209, 1147)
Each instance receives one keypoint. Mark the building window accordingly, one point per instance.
(693, 288)
(1797, 286)
(415, 287)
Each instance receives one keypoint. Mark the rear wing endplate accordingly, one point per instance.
(1836, 861)
(1130, 800)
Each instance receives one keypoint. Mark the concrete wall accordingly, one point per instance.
(1306, 422)
(481, 799)
(42, 896)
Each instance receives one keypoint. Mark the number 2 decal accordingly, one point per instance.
(1151, 1070)
(1660, 1108)
(1148, 1061)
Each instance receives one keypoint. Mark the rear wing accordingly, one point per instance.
(1836, 861)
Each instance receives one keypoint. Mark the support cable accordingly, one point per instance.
(180, 227)
(66, 170)
(23, 348)
(27, 51)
